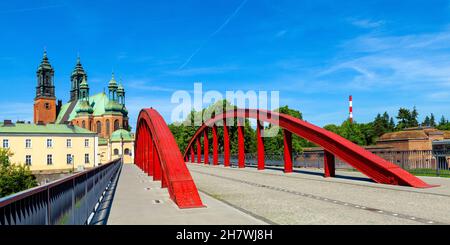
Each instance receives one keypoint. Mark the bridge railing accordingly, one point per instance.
(420, 162)
(68, 201)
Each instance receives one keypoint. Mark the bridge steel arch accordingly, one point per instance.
(158, 155)
(373, 166)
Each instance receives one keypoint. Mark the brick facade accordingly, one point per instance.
(44, 110)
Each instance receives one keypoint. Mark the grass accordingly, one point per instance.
(430, 172)
(444, 173)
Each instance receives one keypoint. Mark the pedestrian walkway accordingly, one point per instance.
(138, 200)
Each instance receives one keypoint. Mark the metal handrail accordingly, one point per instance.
(59, 201)
(23, 194)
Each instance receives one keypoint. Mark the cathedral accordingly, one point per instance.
(103, 113)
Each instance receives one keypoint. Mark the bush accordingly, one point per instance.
(14, 177)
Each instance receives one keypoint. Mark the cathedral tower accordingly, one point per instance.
(45, 101)
(77, 77)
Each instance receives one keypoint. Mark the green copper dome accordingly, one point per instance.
(84, 84)
(120, 88)
(113, 106)
(85, 108)
(78, 70)
(120, 135)
(112, 82)
(45, 64)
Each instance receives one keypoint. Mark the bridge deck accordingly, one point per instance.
(134, 204)
(306, 197)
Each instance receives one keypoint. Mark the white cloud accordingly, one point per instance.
(203, 70)
(366, 23)
(402, 62)
(281, 33)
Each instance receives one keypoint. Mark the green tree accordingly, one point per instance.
(275, 145)
(13, 177)
(432, 120)
(443, 124)
(407, 118)
(352, 131)
(391, 125)
(426, 122)
(413, 121)
(332, 128)
(403, 118)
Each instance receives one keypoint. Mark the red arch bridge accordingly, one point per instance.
(157, 153)
(83, 197)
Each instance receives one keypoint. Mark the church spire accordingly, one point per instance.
(112, 87)
(45, 100)
(77, 77)
(45, 74)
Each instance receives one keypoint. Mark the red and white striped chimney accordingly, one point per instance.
(350, 108)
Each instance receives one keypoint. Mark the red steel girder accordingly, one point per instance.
(241, 144)
(168, 164)
(329, 164)
(205, 146)
(373, 166)
(260, 145)
(226, 145)
(287, 139)
(215, 146)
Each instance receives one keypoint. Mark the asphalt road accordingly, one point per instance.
(306, 197)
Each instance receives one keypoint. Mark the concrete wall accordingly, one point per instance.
(107, 152)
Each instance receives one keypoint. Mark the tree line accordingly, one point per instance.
(363, 134)
(367, 133)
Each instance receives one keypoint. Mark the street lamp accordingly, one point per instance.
(72, 157)
(121, 142)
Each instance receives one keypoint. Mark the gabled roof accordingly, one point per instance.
(22, 128)
(98, 102)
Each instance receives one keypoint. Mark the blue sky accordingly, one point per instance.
(387, 54)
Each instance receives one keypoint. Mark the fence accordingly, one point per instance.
(422, 162)
(68, 201)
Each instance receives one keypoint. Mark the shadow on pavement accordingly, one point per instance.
(102, 214)
(315, 173)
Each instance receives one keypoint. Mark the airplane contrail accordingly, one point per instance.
(236, 11)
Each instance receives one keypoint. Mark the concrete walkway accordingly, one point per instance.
(139, 200)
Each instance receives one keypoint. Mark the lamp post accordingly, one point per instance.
(121, 143)
(72, 157)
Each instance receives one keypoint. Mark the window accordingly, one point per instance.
(99, 127)
(49, 159)
(83, 124)
(69, 143)
(116, 125)
(108, 127)
(47, 106)
(69, 159)
(116, 152)
(86, 158)
(127, 151)
(5, 143)
(86, 143)
(49, 143)
(28, 160)
(28, 143)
